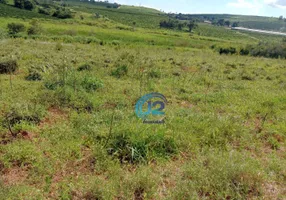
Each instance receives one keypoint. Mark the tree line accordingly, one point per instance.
(175, 24)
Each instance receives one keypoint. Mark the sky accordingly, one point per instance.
(269, 8)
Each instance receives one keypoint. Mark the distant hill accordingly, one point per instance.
(254, 22)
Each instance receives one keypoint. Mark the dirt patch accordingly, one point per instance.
(273, 191)
(54, 115)
(15, 175)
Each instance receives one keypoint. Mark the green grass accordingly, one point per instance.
(10, 11)
(68, 128)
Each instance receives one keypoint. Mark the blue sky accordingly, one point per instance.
(273, 8)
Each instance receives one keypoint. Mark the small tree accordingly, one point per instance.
(227, 23)
(29, 5)
(19, 3)
(221, 22)
(192, 25)
(26, 4)
(14, 28)
(281, 17)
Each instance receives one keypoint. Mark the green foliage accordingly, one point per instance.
(44, 11)
(20, 112)
(35, 28)
(91, 84)
(14, 12)
(62, 13)
(24, 4)
(230, 50)
(224, 129)
(128, 149)
(15, 28)
(264, 49)
(120, 71)
(192, 25)
(3, 1)
(34, 74)
(172, 24)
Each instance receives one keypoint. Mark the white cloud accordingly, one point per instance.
(276, 3)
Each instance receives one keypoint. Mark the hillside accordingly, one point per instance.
(72, 83)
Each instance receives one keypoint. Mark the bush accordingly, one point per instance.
(244, 52)
(34, 75)
(230, 50)
(3, 1)
(91, 84)
(26, 4)
(120, 71)
(8, 66)
(29, 5)
(269, 50)
(15, 28)
(62, 13)
(35, 28)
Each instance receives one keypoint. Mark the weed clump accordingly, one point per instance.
(24, 112)
(120, 71)
(34, 75)
(130, 150)
(9, 66)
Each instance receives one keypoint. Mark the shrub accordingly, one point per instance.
(26, 4)
(35, 28)
(91, 84)
(29, 5)
(244, 52)
(34, 75)
(15, 28)
(8, 66)
(3, 1)
(62, 13)
(120, 71)
(230, 50)
(269, 50)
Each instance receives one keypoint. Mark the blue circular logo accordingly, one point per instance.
(154, 108)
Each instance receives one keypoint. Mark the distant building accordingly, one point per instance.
(208, 22)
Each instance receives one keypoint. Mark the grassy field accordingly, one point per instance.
(68, 129)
